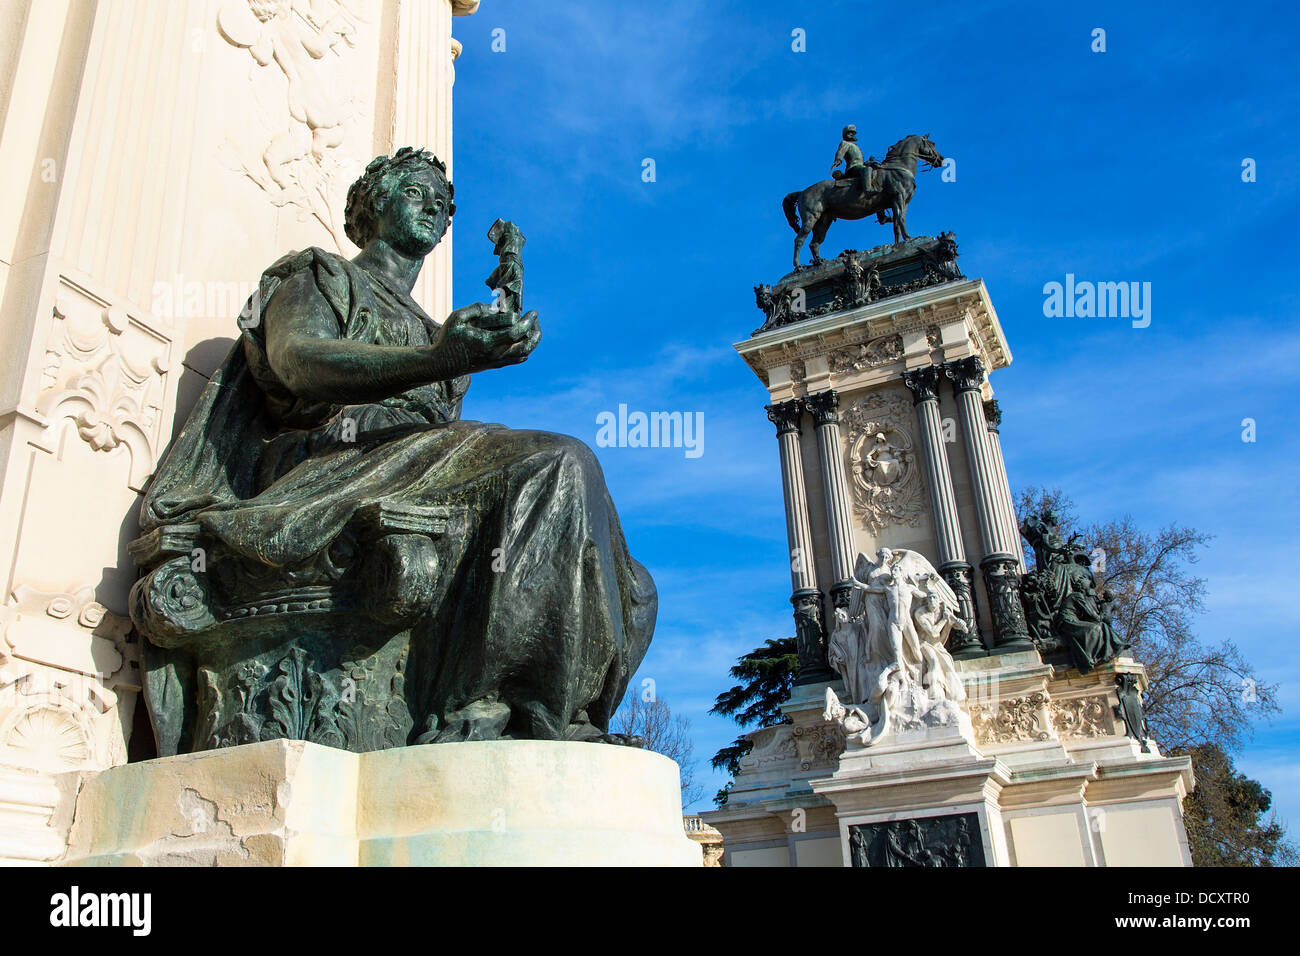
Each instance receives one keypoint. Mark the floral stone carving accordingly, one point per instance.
(1015, 720)
(1082, 716)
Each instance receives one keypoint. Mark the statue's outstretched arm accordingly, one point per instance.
(304, 349)
(839, 156)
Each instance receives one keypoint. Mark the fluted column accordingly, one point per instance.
(924, 386)
(999, 563)
(993, 415)
(825, 409)
(810, 631)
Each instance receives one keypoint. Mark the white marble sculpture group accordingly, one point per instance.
(889, 649)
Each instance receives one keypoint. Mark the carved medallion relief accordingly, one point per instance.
(884, 470)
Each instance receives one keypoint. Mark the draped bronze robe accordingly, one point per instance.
(537, 616)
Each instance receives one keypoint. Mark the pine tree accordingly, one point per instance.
(766, 676)
(1223, 814)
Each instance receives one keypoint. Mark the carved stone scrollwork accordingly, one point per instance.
(49, 735)
(1082, 716)
(867, 355)
(820, 745)
(798, 372)
(771, 746)
(923, 383)
(785, 415)
(106, 372)
(883, 470)
(1014, 720)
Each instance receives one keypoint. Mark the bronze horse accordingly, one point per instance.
(822, 203)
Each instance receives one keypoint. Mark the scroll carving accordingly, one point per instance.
(107, 373)
(1083, 716)
(1014, 720)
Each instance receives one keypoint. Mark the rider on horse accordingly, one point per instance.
(850, 154)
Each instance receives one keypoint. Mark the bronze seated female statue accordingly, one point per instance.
(330, 554)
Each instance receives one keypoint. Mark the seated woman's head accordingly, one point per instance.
(405, 199)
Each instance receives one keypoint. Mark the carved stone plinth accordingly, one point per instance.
(1043, 773)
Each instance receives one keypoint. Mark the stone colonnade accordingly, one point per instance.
(1001, 555)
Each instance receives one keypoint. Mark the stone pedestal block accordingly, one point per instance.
(1043, 775)
(292, 803)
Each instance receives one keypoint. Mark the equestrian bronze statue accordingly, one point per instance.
(865, 187)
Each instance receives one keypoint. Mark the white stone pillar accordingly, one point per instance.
(993, 415)
(956, 570)
(810, 631)
(999, 562)
(825, 409)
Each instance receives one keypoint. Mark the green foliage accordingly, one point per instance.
(766, 676)
(1223, 816)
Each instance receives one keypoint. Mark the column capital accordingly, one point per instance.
(993, 414)
(785, 415)
(967, 374)
(824, 406)
(923, 383)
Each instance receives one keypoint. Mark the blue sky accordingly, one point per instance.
(1117, 166)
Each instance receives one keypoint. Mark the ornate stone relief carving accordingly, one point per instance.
(820, 745)
(299, 50)
(1083, 716)
(56, 719)
(772, 745)
(1013, 720)
(883, 467)
(947, 841)
(865, 356)
(107, 372)
(798, 372)
(66, 664)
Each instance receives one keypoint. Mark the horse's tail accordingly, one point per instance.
(789, 204)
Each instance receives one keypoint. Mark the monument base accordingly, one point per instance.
(1045, 775)
(292, 803)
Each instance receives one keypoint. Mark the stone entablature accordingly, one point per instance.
(858, 348)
